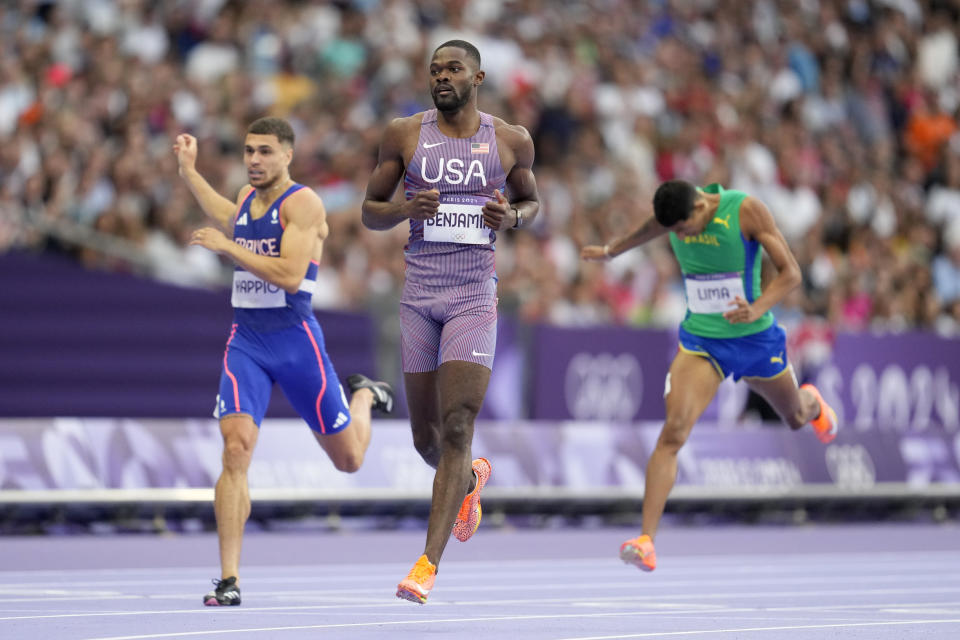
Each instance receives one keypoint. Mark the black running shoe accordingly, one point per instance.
(225, 594)
(382, 392)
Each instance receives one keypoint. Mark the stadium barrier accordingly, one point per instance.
(98, 468)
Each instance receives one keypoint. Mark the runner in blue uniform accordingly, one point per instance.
(274, 233)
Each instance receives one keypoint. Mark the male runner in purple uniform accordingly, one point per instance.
(456, 164)
(278, 228)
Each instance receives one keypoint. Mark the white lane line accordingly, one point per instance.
(381, 603)
(303, 595)
(460, 583)
(920, 610)
(537, 617)
(367, 624)
(647, 608)
(55, 592)
(76, 598)
(678, 576)
(782, 561)
(206, 611)
(670, 634)
(614, 577)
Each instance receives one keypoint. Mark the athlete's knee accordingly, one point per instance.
(427, 443)
(347, 461)
(674, 434)
(237, 452)
(239, 438)
(458, 428)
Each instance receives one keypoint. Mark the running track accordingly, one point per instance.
(876, 581)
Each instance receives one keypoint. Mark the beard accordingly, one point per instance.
(450, 101)
(265, 181)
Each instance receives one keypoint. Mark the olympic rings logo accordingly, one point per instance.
(603, 386)
(850, 466)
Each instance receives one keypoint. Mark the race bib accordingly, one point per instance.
(251, 292)
(713, 292)
(459, 219)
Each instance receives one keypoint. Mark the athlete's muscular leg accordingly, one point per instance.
(348, 447)
(231, 502)
(361, 406)
(461, 387)
(423, 401)
(794, 405)
(693, 382)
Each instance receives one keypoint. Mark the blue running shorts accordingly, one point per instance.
(295, 358)
(760, 355)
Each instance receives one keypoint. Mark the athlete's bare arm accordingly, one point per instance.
(303, 215)
(646, 231)
(218, 208)
(756, 223)
(380, 210)
(323, 230)
(516, 157)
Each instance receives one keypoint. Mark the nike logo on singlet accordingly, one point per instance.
(477, 354)
(431, 145)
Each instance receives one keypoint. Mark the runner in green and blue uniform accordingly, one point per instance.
(718, 237)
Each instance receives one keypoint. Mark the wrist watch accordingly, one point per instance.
(519, 215)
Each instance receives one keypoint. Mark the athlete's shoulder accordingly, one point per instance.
(511, 132)
(517, 139)
(244, 193)
(305, 197)
(405, 124)
(754, 215)
(400, 136)
(304, 205)
(752, 204)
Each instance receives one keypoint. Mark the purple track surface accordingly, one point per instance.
(876, 581)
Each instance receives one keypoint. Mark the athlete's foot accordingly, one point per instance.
(418, 583)
(225, 593)
(639, 552)
(382, 392)
(468, 519)
(825, 424)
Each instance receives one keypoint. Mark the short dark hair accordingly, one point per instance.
(673, 202)
(272, 127)
(471, 50)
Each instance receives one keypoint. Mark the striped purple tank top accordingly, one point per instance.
(454, 247)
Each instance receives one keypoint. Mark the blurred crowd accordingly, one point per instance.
(840, 114)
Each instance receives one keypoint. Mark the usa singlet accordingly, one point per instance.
(275, 337)
(448, 309)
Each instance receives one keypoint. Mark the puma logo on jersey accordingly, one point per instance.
(777, 359)
(724, 221)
